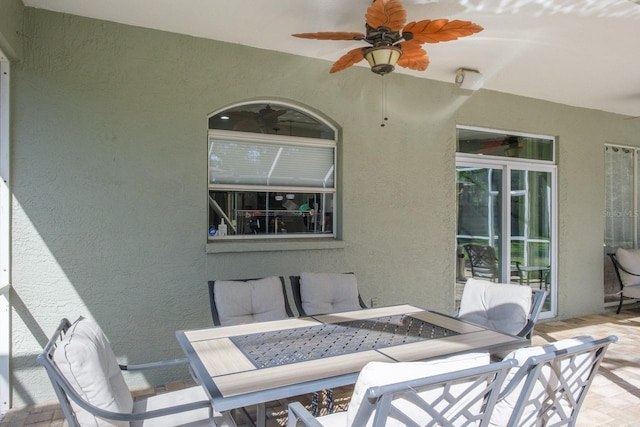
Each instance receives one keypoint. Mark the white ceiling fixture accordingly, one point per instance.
(467, 78)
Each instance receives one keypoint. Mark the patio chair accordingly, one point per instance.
(626, 263)
(508, 308)
(324, 293)
(234, 302)
(483, 262)
(459, 390)
(550, 383)
(92, 391)
(247, 301)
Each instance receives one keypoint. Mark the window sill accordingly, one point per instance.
(268, 245)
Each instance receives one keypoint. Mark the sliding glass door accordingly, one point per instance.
(506, 213)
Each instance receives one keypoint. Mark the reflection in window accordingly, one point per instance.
(472, 141)
(261, 214)
(271, 118)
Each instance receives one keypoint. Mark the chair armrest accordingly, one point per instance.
(152, 365)
(527, 331)
(617, 264)
(127, 417)
(536, 308)
(299, 412)
(161, 364)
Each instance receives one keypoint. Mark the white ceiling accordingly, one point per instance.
(578, 52)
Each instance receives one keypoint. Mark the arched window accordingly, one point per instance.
(271, 172)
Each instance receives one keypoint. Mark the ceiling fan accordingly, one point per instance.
(391, 42)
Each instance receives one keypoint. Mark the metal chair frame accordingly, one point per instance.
(617, 267)
(484, 386)
(66, 393)
(536, 307)
(560, 374)
(483, 261)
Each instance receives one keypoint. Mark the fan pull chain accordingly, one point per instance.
(384, 101)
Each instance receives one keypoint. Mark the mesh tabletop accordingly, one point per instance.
(275, 348)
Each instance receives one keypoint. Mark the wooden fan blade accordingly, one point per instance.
(344, 35)
(347, 60)
(440, 30)
(386, 13)
(413, 56)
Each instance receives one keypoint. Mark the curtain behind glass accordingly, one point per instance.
(619, 209)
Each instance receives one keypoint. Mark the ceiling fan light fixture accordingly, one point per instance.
(382, 59)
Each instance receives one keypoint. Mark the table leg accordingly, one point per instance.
(261, 415)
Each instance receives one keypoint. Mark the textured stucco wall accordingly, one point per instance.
(11, 14)
(109, 164)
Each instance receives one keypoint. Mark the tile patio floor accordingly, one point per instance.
(613, 400)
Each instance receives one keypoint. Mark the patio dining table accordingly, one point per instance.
(251, 364)
(542, 271)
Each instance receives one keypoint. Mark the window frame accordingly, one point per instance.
(285, 140)
(508, 165)
(5, 235)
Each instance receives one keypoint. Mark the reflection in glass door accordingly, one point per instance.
(480, 221)
(489, 193)
(530, 240)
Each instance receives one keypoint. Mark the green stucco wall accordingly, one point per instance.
(109, 183)
(11, 14)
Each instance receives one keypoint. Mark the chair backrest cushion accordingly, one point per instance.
(505, 407)
(85, 358)
(498, 306)
(249, 301)
(629, 259)
(383, 373)
(323, 293)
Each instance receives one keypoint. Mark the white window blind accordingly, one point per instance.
(270, 164)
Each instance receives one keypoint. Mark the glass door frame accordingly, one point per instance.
(5, 238)
(507, 165)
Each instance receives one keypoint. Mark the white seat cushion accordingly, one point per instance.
(334, 420)
(382, 373)
(629, 259)
(252, 301)
(85, 358)
(504, 408)
(498, 306)
(323, 293)
(195, 418)
(632, 291)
